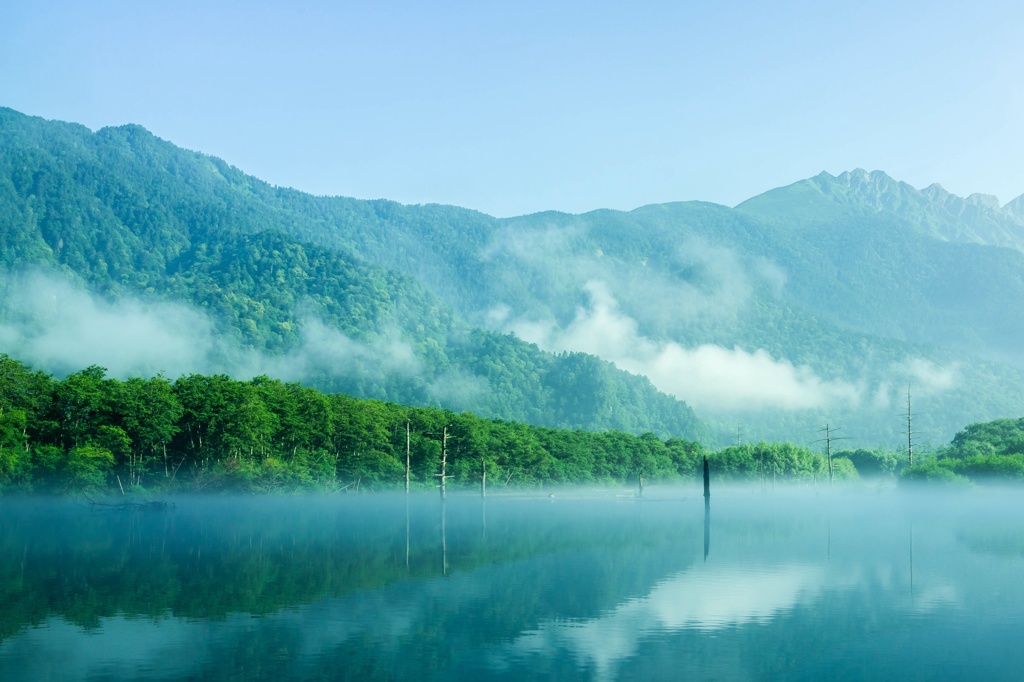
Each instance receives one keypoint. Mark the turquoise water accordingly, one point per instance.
(792, 586)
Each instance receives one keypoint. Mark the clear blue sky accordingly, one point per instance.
(517, 107)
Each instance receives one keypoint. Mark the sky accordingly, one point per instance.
(513, 108)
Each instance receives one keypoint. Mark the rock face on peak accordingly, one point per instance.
(1015, 209)
(989, 201)
(977, 219)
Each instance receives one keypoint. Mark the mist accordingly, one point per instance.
(663, 288)
(53, 324)
(708, 376)
(632, 311)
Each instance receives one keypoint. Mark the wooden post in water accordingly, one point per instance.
(707, 509)
(707, 480)
(406, 457)
(641, 477)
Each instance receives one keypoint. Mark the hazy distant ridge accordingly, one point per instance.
(977, 219)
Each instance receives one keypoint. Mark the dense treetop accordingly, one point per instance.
(88, 432)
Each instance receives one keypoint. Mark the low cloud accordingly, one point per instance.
(922, 378)
(925, 377)
(54, 325)
(50, 323)
(708, 377)
(679, 284)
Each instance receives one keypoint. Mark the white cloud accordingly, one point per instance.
(708, 377)
(925, 377)
(58, 327)
(692, 279)
(52, 324)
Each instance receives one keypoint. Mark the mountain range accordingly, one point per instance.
(835, 300)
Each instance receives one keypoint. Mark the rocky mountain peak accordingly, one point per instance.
(1015, 209)
(986, 200)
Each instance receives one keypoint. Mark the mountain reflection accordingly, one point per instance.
(701, 598)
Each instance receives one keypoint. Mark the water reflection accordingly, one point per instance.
(700, 598)
(526, 588)
(444, 538)
(707, 527)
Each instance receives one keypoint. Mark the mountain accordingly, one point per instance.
(826, 301)
(145, 227)
(934, 212)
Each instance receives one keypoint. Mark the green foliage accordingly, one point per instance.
(933, 471)
(213, 433)
(14, 455)
(988, 468)
(990, 452)
(871, 463)
(843, 469)
(128, 213)
(769, 461)
(87, 468)
(998, 437)
(805, 273)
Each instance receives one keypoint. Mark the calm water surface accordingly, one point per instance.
(774, 586)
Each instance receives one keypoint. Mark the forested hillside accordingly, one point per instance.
(131, 216)
(830, 301)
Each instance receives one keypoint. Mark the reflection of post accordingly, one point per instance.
(707, 527)
(483, 521)
(407, 534)
(444, 539)
(911, 563)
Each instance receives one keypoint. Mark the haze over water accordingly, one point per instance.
(794, 585)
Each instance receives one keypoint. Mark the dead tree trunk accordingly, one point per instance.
(444, 464)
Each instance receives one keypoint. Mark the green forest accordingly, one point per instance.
(90, 433)
(804, 273)
(127, 214)
(202, 433)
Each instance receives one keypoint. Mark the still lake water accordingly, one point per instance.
(868, 585)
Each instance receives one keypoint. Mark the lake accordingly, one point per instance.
(799, 585)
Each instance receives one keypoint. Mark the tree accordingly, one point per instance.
(15, 465)
(149, 413)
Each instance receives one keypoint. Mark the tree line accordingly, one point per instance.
(89, 432)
